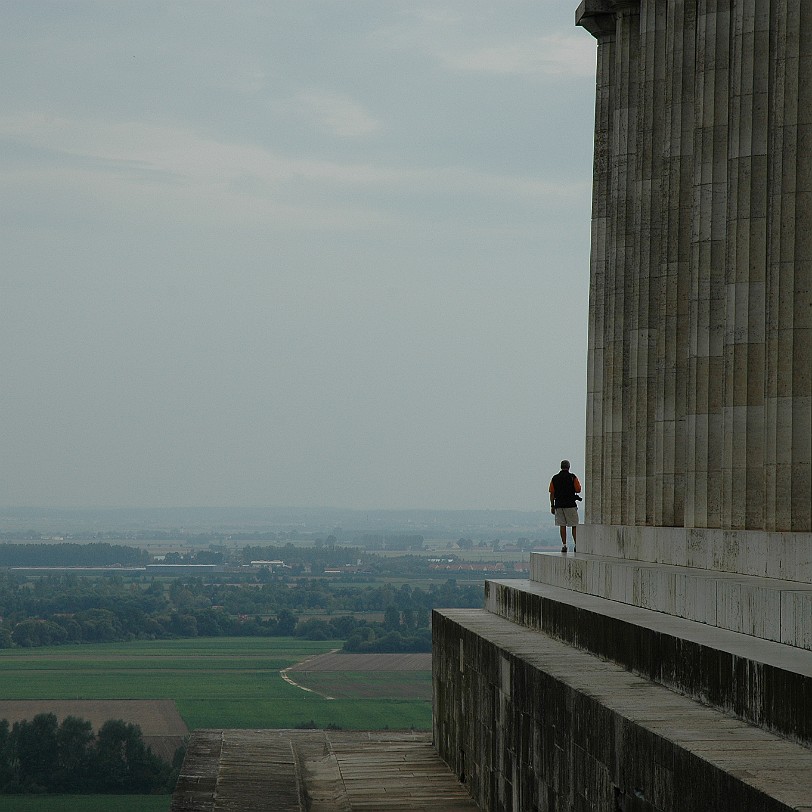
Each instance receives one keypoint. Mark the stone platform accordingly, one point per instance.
(316, 771)
(665, 672)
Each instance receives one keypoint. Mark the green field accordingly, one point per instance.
(215, 682)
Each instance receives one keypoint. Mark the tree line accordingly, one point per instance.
(44, 756)
(67, 554)
(65, 608)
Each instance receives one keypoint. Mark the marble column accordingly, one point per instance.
(615, 247)
(707, 269)
(671, 391)
(647, 275)
(599, 20)
(788, 400)
(744, 337)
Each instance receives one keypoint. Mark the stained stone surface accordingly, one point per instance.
(699, 405)
(315, 771)
(531, 723)
(769, 608)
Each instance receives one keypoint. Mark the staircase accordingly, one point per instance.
(648, 671)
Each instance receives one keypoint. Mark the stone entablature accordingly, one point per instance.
(699, 403)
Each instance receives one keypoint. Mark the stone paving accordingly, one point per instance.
(315, 771)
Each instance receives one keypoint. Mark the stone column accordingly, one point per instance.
(622, 267)
(788, 402)
(599, 20)
(672, 335)
(707, 292)
(615, 250)
(646, 274)
(744, 337)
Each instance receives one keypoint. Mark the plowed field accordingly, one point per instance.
(368, 676)
(337, 661)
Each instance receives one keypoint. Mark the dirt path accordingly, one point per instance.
(299, 667)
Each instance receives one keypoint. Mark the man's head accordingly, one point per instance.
(565, 465)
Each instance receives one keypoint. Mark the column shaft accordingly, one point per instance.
(672, 333)
(744, 337)
(595, 472)
(707, 299)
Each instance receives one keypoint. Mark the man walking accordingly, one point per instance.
(564, 490)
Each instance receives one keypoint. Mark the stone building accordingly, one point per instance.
(699, 411)
(668, 664)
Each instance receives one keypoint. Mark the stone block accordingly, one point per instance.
(696, 598)
(796, 619)
(786, 556)
(750, 608)
(744, 603)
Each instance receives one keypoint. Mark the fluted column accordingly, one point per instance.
(648, 279)
(602, 26)
(707, 293)
(621, 271)
(672, 335)
(788, 403)
(744, 338)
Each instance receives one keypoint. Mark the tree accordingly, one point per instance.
(37, 632)
(124, 763)
(74, 742)
(36, 748)
(391, 618)
(285, 623)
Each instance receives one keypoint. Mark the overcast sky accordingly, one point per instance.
(292, 252)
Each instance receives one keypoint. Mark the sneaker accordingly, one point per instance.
(564, 549)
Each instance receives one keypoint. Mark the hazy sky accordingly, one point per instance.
(292, 252)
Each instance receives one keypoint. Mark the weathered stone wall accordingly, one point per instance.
(758, 683)
(531, 725)
(699, 408)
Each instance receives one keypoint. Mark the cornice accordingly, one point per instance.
(599, 16)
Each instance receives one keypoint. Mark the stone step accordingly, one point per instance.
(532, 723)
(786, 556)
(762, 682)
(768, 608)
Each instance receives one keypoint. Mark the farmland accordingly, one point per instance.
(222, 682)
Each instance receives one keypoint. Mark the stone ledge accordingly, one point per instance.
(787, 556)
(762, 682)
(768, 608)
(531, 723)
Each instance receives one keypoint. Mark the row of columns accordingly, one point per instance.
(699, 396)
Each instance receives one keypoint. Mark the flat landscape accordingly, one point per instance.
(226, 682)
